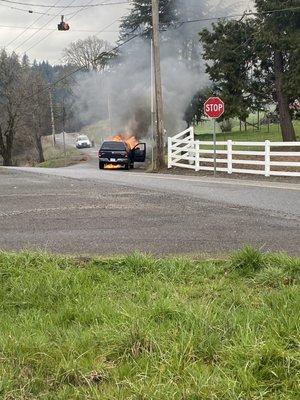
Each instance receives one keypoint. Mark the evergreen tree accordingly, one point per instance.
(139, 20)
(230, 46)
(256, 61)
(277, 45)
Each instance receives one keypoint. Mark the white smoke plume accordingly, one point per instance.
(124, 93)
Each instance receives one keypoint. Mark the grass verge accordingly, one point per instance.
(63, 161)
(137, 327)
(55, 157)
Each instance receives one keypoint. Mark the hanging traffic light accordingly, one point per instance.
(63, 26)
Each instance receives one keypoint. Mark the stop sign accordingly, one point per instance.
(214, 107)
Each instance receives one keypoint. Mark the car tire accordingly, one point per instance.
(101, 165)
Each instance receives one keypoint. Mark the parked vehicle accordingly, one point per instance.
(120, 153)
(83, 142)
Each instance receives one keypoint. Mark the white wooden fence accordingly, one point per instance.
(262, 158)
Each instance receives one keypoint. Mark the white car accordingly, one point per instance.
(83, 142)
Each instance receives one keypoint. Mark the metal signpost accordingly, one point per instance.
(214, 107)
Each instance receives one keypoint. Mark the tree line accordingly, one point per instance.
(25, 107)
(25, 91)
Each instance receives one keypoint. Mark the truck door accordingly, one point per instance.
(139, 152)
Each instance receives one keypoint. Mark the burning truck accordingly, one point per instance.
(120, 151)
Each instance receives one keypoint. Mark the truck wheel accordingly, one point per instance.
(101, 165)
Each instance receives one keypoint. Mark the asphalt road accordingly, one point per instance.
(82, 210)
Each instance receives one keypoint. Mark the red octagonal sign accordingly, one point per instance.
(214, 107)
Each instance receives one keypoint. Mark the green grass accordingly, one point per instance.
(55, 157)
(204, 132)
(63, 161)
(137, 327)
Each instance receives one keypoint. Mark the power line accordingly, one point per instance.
(97, 33)
(35, 33)
(29, 26)
(32, 11)
(50, 33)
(55, 5)
(245, 14)
(49, 29)
(112, 51)
(183, 22)
(27, 11)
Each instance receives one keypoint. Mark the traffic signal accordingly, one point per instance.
(63, 26)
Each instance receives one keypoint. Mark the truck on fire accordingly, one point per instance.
(119, 153)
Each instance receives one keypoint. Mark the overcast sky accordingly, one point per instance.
(91, 21)
(87, 22)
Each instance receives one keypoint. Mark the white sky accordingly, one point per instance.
(92, 19)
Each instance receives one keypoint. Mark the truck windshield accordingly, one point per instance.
(113, 146)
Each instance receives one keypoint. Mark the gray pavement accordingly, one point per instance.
(82, 210)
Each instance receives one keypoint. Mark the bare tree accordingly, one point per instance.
(12, 95)
(24, 108)
(37, 113)
(91, 53)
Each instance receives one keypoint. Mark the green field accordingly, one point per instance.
(204, 132)
(136, 327)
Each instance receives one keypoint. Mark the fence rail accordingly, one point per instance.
(261, 158)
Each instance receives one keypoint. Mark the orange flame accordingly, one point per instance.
(112, 166)
(131, 141)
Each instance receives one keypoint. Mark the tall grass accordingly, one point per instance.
(137, 327)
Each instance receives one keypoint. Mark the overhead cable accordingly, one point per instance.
(54, 30)
(28, 27)
(35, 33)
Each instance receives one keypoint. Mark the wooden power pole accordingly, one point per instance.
(52, 116)
(160, 157)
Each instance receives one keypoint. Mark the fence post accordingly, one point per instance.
(197, 155)
(267, 157)
(229, 156)
(169, 152)
(192, 134)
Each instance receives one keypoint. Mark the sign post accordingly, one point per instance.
(214, 108)
(215, 148)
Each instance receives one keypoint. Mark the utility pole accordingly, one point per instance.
(64, 133)
(109, 105)
(152, 107)
(52, 117)
(160, 157)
